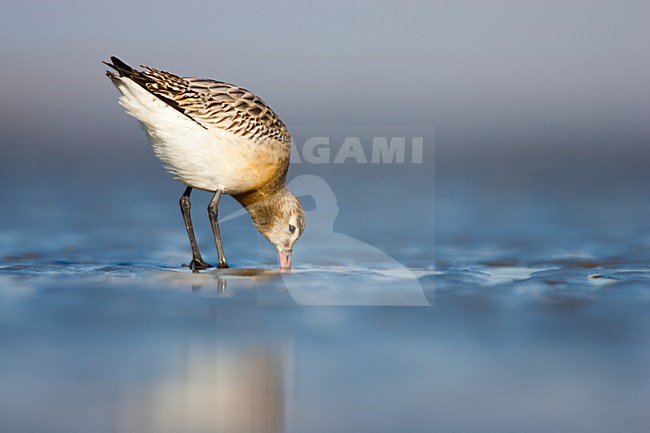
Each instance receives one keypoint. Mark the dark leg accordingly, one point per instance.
(213, 210)
(197, 263)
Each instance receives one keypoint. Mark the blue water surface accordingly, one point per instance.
(447, 303)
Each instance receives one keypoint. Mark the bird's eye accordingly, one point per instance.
(292, 228)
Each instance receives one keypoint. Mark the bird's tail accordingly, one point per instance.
(122, 68)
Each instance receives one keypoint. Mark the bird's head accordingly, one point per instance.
(281, 219)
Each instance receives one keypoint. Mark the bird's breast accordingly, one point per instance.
(224, 161)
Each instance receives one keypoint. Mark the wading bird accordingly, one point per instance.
(220, 138)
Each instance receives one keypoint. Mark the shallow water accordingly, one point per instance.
(516, 311)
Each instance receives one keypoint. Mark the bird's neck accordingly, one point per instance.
(257, 197)
(263, 206)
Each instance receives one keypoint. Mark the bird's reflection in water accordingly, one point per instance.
(224, 387)
(221, 285)
(218, 278)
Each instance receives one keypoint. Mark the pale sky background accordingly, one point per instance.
(490, 76)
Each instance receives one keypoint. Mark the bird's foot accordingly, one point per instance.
(198, 265)
(222, 265)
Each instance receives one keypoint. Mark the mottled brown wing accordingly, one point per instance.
(216, 104)
(245, 103)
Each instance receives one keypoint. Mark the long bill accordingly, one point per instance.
(284, 258)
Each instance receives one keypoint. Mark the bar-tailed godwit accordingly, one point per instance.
(221, 138)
